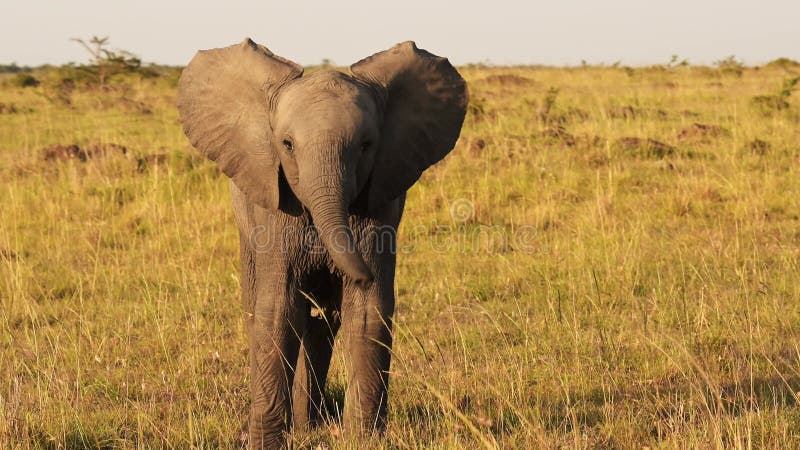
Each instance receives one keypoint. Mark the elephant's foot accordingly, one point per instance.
(268, 429)
(267, 441)
(364, 426)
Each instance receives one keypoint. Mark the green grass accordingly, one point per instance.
(623, 296)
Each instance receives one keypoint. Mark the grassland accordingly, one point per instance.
(640, 286)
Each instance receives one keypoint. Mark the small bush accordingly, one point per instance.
(548, 104)
(769, 103)
(24, 80)
(779, 101)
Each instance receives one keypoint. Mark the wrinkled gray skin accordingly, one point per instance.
(319, 167)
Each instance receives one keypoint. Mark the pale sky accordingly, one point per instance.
(555, 32)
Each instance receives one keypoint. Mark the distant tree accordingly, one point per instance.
(106, 63)
(675, 61)
(730, 65)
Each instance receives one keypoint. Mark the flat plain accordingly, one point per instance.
(609, 258)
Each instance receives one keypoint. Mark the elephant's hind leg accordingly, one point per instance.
(315, 353)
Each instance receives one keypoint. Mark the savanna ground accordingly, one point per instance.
(608, 259)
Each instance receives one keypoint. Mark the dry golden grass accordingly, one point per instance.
(588, 269)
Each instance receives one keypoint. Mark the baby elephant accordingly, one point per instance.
(319, 167)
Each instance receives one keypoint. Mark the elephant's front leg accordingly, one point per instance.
(312, 367)
(367, 332)
(274, 334)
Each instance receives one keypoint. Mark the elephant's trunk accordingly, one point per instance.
(329, 212)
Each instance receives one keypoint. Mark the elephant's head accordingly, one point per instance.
(326, 142)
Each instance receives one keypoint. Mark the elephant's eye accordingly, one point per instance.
(288, 144)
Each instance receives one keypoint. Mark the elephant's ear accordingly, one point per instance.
(223, 102)
(426, 100)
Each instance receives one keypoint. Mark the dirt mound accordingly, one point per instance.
(701, 131)
(628, 112)
(60, 152)
(144, 163)
(644, 148)
(624, 112)
(558, 134)
(126, 104)
(8, 108)
(476, 146)
(507, 79)
(8, 254)
(758, 147)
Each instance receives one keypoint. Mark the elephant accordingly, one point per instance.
(319, 166)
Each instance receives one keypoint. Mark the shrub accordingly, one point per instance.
(23, 80)
(776, 102)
